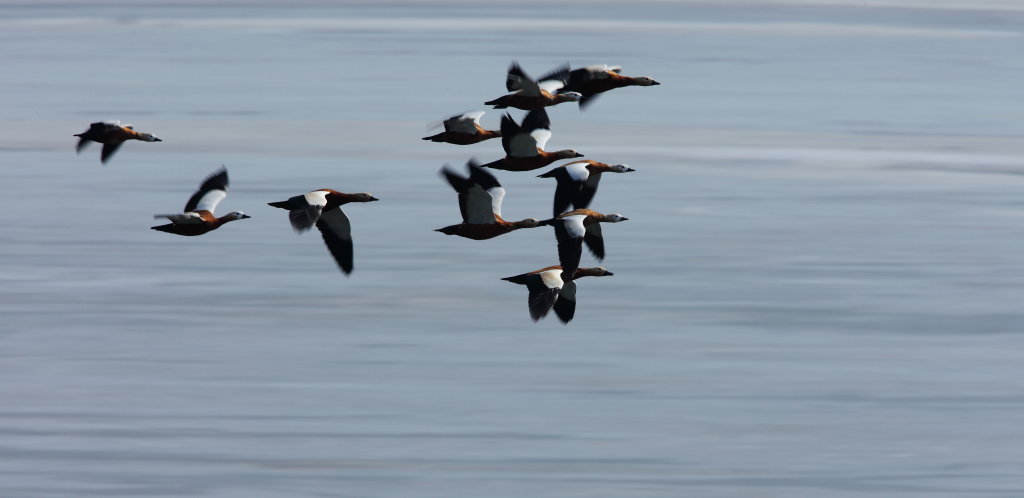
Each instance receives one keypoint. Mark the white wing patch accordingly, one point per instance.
(600, 71)
(497, 195)
(209, 200)
(574, 225)
(578, 171)
(550, 86)
(524, 145)
(316, 198)
(465, 123)
(541, 136)
(182, 219)
(552, 278)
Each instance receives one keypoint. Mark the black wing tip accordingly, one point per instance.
(482, 177)
(219, 178)
(457, 181)
(537, 119)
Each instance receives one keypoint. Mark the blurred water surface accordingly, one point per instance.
(817, 293)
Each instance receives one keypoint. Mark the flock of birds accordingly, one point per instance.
(479, 192)
(481, 195)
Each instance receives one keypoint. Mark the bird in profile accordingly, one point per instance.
(198, 217)
(589, 81)
(529, 94)
(480, 197)
(550, 289)
(524, 143)
(464, 129)
(573, 229)
(322, 208)
(111, 134)
(577, 182)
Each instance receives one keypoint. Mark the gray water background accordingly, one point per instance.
(818, 292)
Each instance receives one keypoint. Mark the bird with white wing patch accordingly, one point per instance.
(529, 94)
(480, 197)
(577, 182)
(322, 208)
(524, 143)
(573, 229)
(111, 134)
(198, 217)
(464, 129)
(550, 289)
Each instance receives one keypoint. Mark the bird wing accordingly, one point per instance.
(565, 194)
(538, 125)
(463, 123)
(587, 189)
(108, 150)
(182, 218)
(595, 242)
(336, 230)
(565, 306)
(569, 233)
(544, 291)
(509, 129)
(309, 211)
(489, 183)
(516, 78)
(555, 80)
(586, 100)
(475, 201)
(213, 190)
(524, 140)
(550, 86)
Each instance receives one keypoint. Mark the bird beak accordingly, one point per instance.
(372, 198)
(628, 169)
(578, 155)
(244, 216)
(609, 274)
(654, 83)
(625, 219)
(157, 139)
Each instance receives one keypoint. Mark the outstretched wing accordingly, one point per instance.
(475, 201)
(463, 123)
(569, 234)
(594, 240)
(213, 190)
(516, 78)
(336, 230)
(108, 150)
(565, 306)
(524, 140)
(554, 80)
(587, 189)
(544, 290)
(489, 183)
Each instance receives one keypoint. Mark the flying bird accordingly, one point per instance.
(323, 208)
(480, 197)
(111, 134)
(589, 81)
(464, 129)
(549, 289)
(524, 143)
(198, 217)
(529, 94)
(573, 229)
(577, 182)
